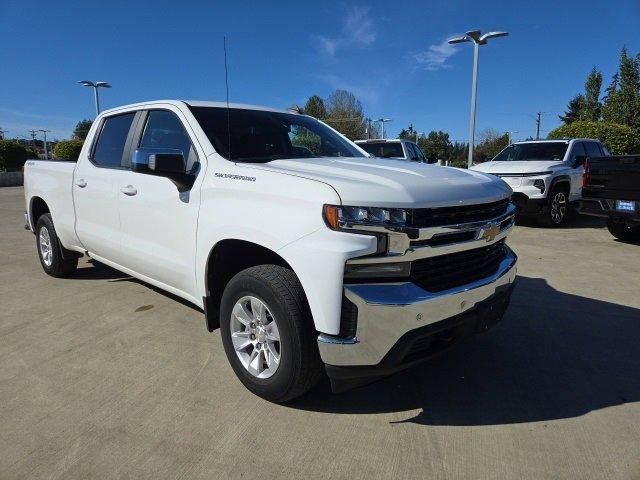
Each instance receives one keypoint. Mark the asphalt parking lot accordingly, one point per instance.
(105, 377)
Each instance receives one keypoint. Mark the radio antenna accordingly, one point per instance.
(226, 81)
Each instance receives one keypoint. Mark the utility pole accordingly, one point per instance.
(46, 149)
(33, 138)
(538, 125)
(2, 132)
(382, 122)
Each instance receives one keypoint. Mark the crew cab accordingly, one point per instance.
(545, 175)
(307, 254)
(400, 149)
(611, 189)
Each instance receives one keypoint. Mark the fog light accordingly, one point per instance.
(539, 184)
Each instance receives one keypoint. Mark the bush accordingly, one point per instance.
(12, 155)
(67, 150)
(619, 139)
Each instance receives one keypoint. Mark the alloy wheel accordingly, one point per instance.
(558, 207)
(255, 337)
(46, 251)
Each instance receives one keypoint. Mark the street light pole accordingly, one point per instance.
(382, 122)
(46, 150)
(477, 39)
(95, 86)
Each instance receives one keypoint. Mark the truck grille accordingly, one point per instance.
(431, 217)
(435, 274)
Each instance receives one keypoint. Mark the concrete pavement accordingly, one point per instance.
(104, 377)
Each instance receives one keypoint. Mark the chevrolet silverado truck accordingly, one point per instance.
(545, 175)
(611, 189)
(309, 255)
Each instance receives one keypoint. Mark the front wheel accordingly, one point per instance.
(268, 334)
(623, 231)
(556, 211)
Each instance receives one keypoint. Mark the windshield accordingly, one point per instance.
(262, 136)
(532, 151)
(383, 149)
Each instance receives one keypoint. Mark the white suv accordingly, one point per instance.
(545, 175)
(397, 148)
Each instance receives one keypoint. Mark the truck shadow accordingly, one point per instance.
(555, 355)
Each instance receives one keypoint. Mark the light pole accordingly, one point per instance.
(511, 136)
(382, 122)
(477, 39)
(46, 150)
(95, 87)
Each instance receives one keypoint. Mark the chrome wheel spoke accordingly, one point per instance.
(46, 251)
(255, 337)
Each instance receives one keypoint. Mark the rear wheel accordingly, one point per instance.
(268, 334)
(623, 231)
(54, 258)
(557, 208)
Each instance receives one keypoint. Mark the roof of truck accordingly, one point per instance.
(560, 140)
(196, 103)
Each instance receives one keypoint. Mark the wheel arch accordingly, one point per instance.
(563, 180)
(37, 208)
(227, 258)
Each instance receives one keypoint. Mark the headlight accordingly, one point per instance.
(344, 216)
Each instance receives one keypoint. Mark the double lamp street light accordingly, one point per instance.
(95, 86)
(477, 39)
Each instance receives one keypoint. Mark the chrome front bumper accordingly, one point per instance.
(388, 311)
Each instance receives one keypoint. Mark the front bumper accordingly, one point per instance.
(527, 205)
(388, 312)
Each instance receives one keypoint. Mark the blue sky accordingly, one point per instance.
(390, 54)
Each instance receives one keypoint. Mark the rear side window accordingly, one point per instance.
(593, 150)
(113, 136)
(383, 149)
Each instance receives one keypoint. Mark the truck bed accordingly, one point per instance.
(613, 178)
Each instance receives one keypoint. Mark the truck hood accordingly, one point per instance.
(395, 183)
(525, 166)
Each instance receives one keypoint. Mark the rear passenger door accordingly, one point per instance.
(577, 150)
(158, 222)
(95, 187)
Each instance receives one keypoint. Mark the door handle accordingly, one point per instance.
(81, 183)
(129, 190)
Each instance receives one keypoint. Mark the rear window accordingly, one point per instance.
(383, 150)
(593, 149)
(110, 145)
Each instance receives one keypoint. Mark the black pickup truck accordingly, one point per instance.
(611, 188)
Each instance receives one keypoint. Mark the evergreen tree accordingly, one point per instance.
(315, 107)
(622, 100)
(575, 109)
(592, 105)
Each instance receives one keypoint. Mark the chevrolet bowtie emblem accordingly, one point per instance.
(489, 232)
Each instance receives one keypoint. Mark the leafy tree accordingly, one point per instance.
(619, 139)
(491, 143)
(12, 155)
(622, 101)
(592, 105)
(436, 145)
(315, 107)
(575, 109)
(408, 133)
(82, 129)
(67, 150)
(344, 113)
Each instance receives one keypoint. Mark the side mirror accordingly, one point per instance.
(158, 161)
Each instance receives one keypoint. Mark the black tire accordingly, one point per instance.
(557, 207)
(300, 367)
(61, 262)
(623, 231)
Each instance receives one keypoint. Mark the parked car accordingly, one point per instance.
(545, 175)
(305, 258)
(611, 189)
(396, 148)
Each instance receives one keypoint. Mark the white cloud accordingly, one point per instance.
(356, 31)
(435, 56)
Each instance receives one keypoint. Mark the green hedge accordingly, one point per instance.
(67, 150)
(12, 155)
(619, 139)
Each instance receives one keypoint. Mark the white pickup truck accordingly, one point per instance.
(304, 251)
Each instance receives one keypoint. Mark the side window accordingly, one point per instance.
(421, 156)
(110, 145)
(577, 150)
(593, 150)
(165, 130)
(411, 151)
